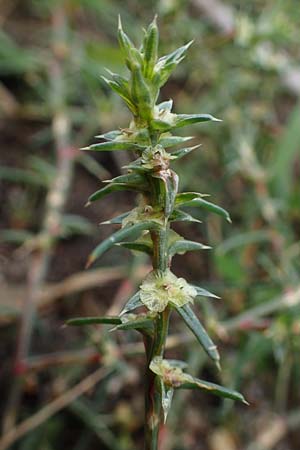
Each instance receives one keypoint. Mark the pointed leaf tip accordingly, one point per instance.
(119, 23)
(85, 148)
(89, 262)
(218, 366)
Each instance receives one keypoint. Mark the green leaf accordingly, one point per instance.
(133, 303)
(114, 187)
(131, 231)
(199, 331)
(110, 135)
(121, 81)
(129, 178)
(181, 216)
(208, 206)
(110, 320)
(189, 382)
(168, 141)
(139, 322)
(185, 197)
(182, 246)
(141, 94)
(167, 64)
(150, 48)
(112, 146)
(174, 377)
(161, 125)
(129, 182)
(137, 246)
(183, 120)
(116, 220)
(126, 45)
(177, 154)
(122, 93)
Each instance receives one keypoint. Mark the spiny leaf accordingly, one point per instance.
(131, 231)
(174, 377)
(150, 48)
(125, 43)
(182, 246)
(141, 94)
(110, 320)
(166, 64)
(188, 119)
(180, 216)
(199, 331)
(139, 322)
(201, 292)
(131, 181)
(114, 187)
(204, 204)
(168, 141)
(185, 197)
(129, 178)
(133, 303)
(137, 246)
(189, 382)
(177, 154)
(116, 220)
(122, 93)
(112, 145)
(110, 135)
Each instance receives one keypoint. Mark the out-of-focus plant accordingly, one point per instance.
(147, 227)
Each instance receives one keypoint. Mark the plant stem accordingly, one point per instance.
(157, 345)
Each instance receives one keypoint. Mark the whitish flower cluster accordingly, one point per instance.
(161, 288)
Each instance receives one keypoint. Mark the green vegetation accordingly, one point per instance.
(147, 227)
(82, 387)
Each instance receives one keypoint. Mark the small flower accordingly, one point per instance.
(161, 288)
(143, 213)
(156, 158)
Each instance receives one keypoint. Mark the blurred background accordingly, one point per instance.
(65, 388)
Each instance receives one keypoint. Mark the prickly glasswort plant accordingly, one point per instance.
(147, 228)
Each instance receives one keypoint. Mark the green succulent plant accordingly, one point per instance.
(147, 228)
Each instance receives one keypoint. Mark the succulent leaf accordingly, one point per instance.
(199, 331)
(110, 320)
(204, 204)
(176, 378)
(182, 246)
(130, 231)
(112, 145)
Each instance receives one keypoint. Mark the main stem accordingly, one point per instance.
(156, 345)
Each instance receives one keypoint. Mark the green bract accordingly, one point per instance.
(150, 136)
(159, 289)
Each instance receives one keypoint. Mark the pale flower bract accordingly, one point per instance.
(161, 288)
